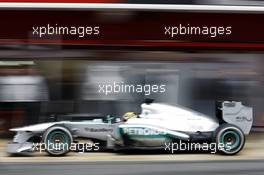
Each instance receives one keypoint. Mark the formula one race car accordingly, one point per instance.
(156, 126)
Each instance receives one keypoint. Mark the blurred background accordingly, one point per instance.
(61, 75)
(38, 82)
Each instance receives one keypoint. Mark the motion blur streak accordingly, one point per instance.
(71, 85)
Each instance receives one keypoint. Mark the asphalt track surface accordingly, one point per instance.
(136, 168)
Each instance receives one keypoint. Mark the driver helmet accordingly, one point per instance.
(129, 115)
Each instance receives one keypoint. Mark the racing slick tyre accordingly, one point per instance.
(57, 140)
(231, 138)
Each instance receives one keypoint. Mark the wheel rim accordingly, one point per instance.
(231, 140)
(58, 142)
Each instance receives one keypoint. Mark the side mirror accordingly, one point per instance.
(52, 118)
(148, 101)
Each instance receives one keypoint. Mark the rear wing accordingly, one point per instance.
(235, 113)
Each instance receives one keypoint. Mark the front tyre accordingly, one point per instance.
(57, 140)
(229, 139)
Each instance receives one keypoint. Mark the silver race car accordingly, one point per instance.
(157, 126)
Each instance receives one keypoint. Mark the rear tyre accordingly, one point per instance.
(229, 139)
(57, 140)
